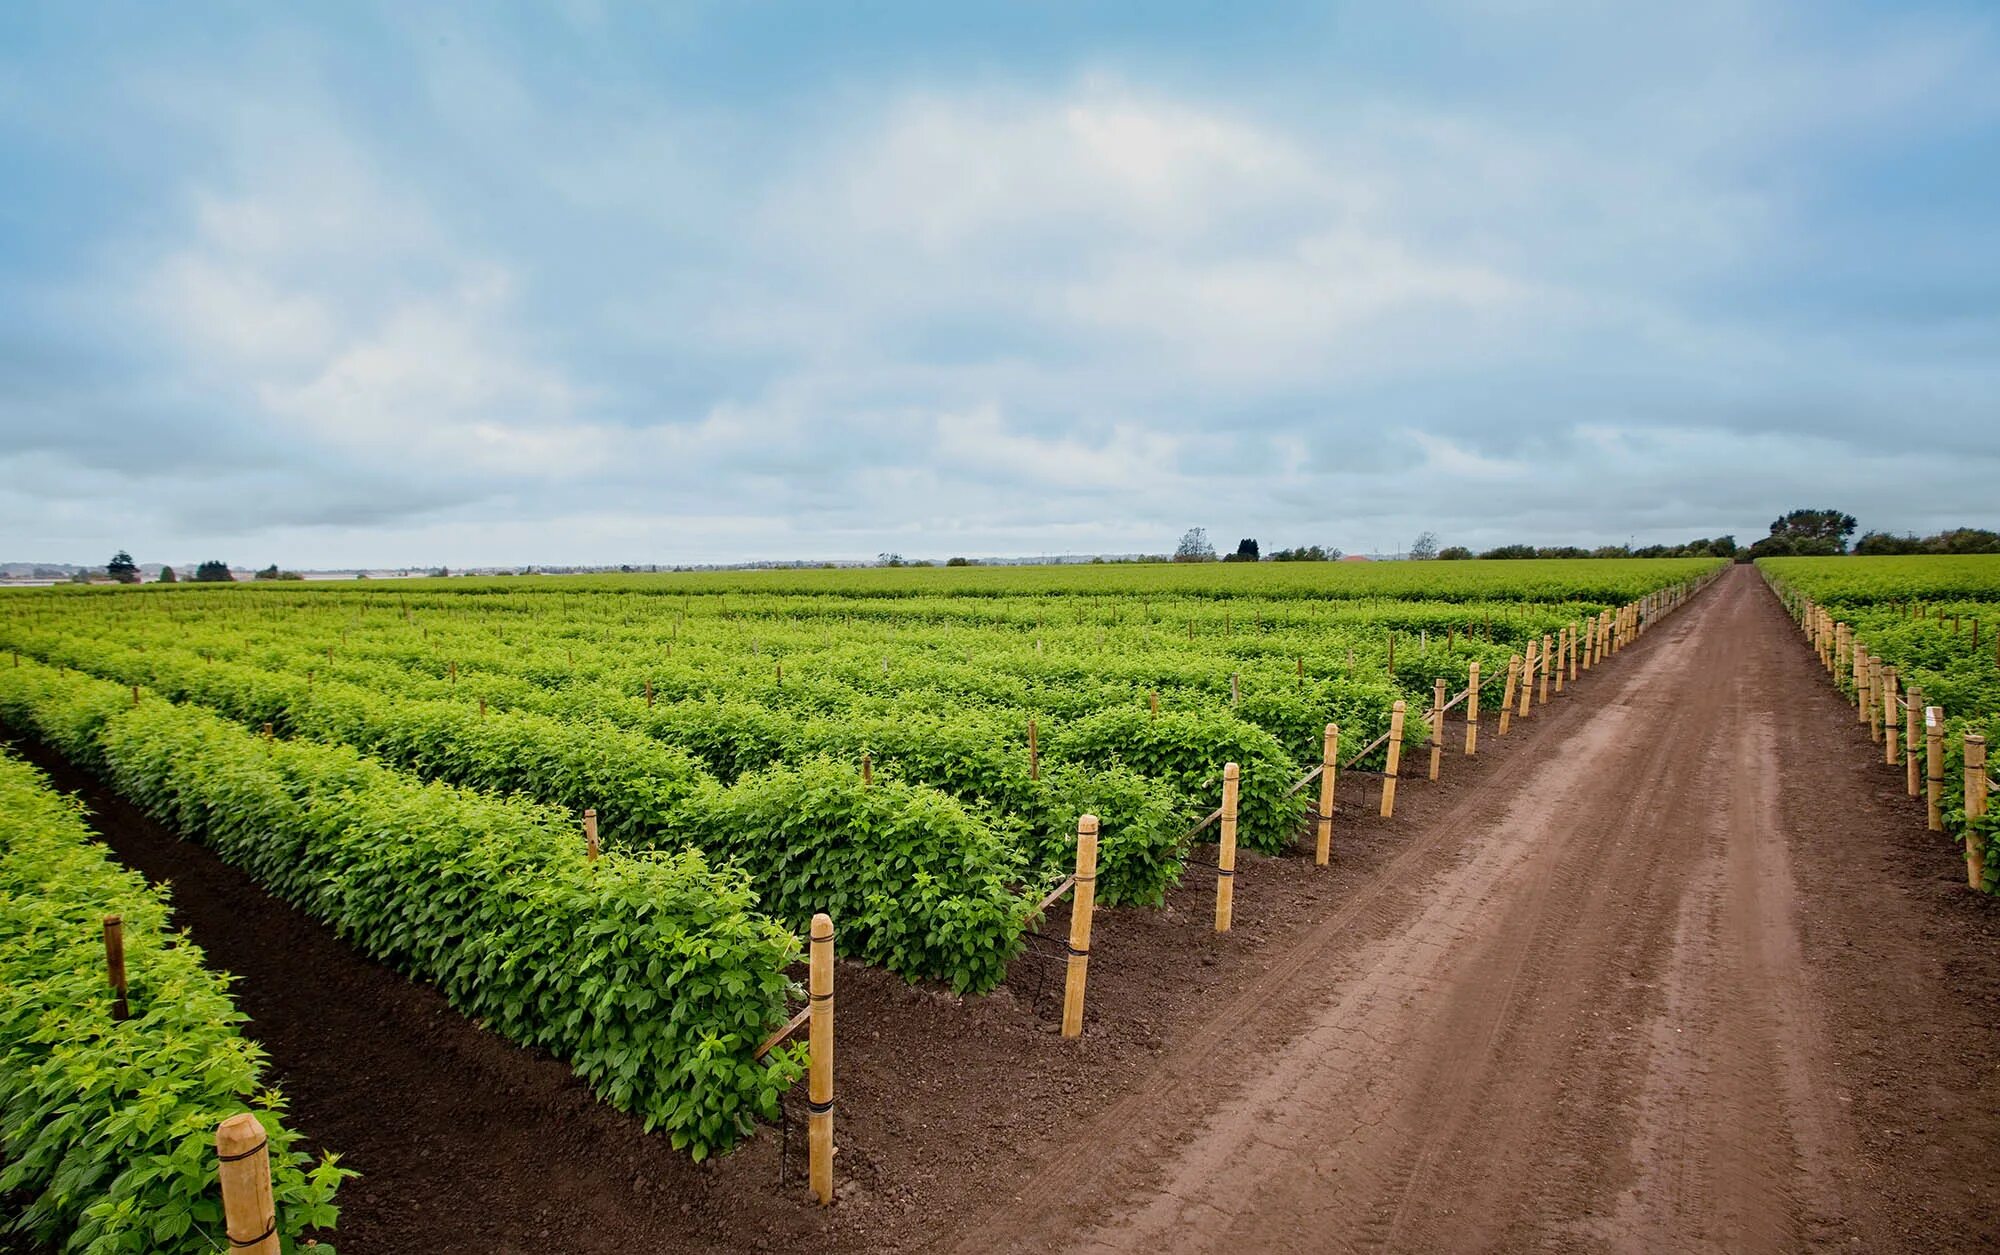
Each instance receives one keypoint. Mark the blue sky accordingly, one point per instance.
(332, 283)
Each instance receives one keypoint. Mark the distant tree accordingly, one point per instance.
(889, 559)
(1963, 540)
(122, 568)
(1561, 551)
(1424, 547)
(1611, 551)
(1194, 546)
(1246, 551)
(1830, 526)
(268, 573)
(958, 562)
(213, 572)
(1453, 553)
(1306, 553)
(167, 575)
(1510, 551)
(1722, 547)
(1881, 544)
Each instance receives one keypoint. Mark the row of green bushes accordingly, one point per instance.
(107, 1126)
(651, 975)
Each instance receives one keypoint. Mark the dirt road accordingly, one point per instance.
(1690, 978)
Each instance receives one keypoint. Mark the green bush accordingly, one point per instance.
(107, 1127)
(915, 884)
(1189, 749)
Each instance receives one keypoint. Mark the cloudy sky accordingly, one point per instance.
(329, 283)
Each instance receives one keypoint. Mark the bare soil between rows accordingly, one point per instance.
(958, 1116)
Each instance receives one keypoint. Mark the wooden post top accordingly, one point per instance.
(822, 927)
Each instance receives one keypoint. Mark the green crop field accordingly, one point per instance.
(409, 762)
(1937, 621)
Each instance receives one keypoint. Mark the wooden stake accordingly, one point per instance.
(1081, 902)
(1395, 758)
(1034, 754)
(1235, 692)
(114, 965)
(1891, 739)
(1562, 657)
(819, 1082)
(649, 694)
(1934, 766)
(1913, 701)
(1153, 700)
(1507, 694)
(249, 1216)
(1437, 725)
(590, 833)
(1975, 809)
(867, 770)
(1527, 680)
(482, 708)
(1225, 850)
(1329, 766)
(1472, 709)
(1548, 656)
(135, 695)
(1874, 699)
(454, 672)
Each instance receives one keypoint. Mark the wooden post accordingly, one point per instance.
(649, 694)
(482, 708)
(1034, 754)
(1874, 699)
(1235, 692)
(819, 1083)
(1548, 656)
(1472, 709)
(1891, 740)
(1507, 694)
(1575, 648)
(249, 1216)
(1392, 653)
(1225, 850)
(1395, 759)
(1562, 656)
(267, 732)
(867, 770)
(1081, 902)
(590, 833)
(1329, 765)
(1527, 680)
(1302, 668)
(1437, 725)
(1858, 677)
(1913, 701)
(1934, 766)
(1975, 809)
(114, 965)
(1153, 701)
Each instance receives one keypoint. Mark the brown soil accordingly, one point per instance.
(1671, 966)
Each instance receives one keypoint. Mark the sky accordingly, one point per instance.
(330, 284)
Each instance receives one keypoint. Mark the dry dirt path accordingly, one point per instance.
(1692, 977)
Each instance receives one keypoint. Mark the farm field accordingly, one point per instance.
(413, 765)
(397, 871)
